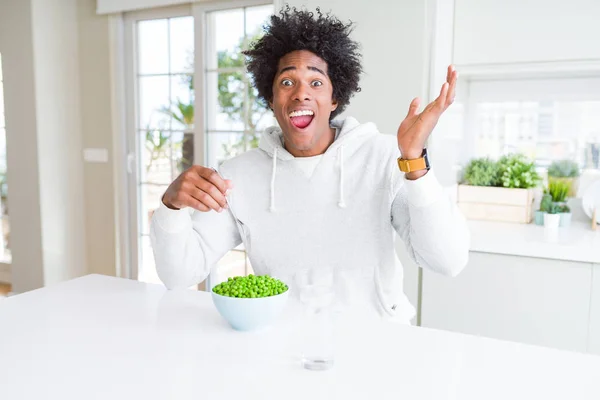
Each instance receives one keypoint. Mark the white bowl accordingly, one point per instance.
(247, 314)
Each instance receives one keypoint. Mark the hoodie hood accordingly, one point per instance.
(351, 134)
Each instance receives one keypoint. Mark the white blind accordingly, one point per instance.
(118, 6)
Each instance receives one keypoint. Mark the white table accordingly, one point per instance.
(107, 338)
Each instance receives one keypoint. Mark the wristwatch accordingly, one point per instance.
(416, 164)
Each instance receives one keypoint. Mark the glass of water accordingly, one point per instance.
(316, 291)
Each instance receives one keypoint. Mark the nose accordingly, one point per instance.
(302, 92)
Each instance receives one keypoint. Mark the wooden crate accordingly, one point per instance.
(496, 204)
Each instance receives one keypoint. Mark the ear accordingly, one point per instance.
(271, 105)
(334, 104)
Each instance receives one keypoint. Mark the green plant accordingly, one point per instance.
(563, 169)
(554, 208)
(181, 112)
(480, 172)
(546, 203)
(563, 208)
(516, 171)
(558, 190)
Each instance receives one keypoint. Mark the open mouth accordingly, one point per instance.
(301, 118)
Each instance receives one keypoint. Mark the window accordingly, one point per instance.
(545, 119)
(165, 123)
(234, 116)
(5, 255)
(161, 99)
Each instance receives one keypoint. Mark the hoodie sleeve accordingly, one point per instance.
(430, 224)
(188, 244)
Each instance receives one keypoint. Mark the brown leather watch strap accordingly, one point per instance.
(415, 164)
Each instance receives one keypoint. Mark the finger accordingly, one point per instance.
(452, 88)
(414, 107)
(204, 198)
(213, 191)
(189, 201)
(440, 102)
(449, 73)
(213, 176)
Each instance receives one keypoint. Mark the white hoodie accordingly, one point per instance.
(340, 214)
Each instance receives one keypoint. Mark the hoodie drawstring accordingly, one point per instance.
(341, 203)
(272, 208)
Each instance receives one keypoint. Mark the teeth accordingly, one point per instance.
(301, 112)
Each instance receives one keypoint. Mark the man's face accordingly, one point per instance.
(302, 103)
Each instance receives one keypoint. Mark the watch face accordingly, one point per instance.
(426, 159)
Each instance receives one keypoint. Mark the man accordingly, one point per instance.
(317, 192)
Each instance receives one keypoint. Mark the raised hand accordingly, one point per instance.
(416, 127)
(200, 188)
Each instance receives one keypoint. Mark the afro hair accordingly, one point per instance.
(325, 36)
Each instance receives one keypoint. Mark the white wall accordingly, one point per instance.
(523, 31)
(38, 41)
(16, 46)
(97, 132)
(394, 39)
(59, 138)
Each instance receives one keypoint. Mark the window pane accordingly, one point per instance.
(182, 44)
(225, 101)
(256, 17)
(153, 47)
(154, 96)
(229, 29)
(545, 131)
(164, 155)
(182, 102)
(225, 34)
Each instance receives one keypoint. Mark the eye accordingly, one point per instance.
(317, 83)
(287, 82)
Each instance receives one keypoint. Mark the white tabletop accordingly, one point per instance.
(107, 338)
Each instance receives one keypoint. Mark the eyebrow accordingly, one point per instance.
(292, 68)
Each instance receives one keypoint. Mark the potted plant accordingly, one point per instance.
(544, 207)
(565, 215)
(558, 190)
(499, 191)
(566, 171)
(481, 172)
(552, 217)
